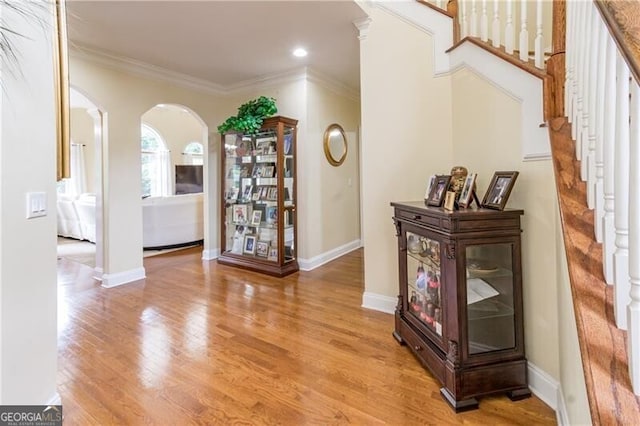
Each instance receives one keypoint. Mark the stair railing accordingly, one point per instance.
(503, 23)
(602, 102)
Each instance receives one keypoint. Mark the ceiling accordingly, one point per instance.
(224, 43)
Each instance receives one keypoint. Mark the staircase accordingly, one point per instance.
(595, 152)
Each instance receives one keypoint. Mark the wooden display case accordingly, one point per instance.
(460, 303)
(259, 198)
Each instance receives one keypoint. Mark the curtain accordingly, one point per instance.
(164, 173)
(77, 183)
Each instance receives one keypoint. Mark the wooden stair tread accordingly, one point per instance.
(602, 344)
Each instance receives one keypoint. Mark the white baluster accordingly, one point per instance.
(484, 23)
(586, 91)
(473, 26)
(633, 310)
(439, 3)
(464, 27)
(539, 48)
(568, 69)
(495, 30)
(598, 188)
(578, 82)
(509, 30)
(608, 227)
(524, 33)
(593, 102)
(621, 193)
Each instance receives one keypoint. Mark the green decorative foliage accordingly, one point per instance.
(250, 116)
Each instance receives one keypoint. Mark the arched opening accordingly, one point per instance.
(80, 197)
(174, 194)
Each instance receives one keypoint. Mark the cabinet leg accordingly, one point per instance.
(518, 394)
(459, 406)
(398, 337)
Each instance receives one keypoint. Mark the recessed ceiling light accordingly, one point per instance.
(300, 52)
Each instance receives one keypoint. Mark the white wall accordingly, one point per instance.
(406, 136)
(487, 137)
(28, 294)
(335, 211)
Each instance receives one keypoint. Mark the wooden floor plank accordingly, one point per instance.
(202, 343)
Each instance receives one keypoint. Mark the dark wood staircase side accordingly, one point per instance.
(602, 344)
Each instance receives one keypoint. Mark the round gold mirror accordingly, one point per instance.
(335, 144)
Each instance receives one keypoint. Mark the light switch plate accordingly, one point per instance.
(36, 204)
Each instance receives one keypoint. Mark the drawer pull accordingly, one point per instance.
(417, 217)
(417, 347)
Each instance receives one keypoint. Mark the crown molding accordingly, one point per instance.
(153, 72)
(143, 69)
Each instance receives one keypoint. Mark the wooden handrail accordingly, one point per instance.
(623, 20)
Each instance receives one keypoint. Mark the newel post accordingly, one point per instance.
(452, 8)
(556, 63)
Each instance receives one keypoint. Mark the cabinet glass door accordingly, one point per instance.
(289, 194)
(490, 300)
(423, 281)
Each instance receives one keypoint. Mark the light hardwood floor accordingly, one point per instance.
(198, 342)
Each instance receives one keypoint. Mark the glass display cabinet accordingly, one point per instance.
(460, 299)
(258, 215)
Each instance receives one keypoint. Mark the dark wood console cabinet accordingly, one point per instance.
(460, 303)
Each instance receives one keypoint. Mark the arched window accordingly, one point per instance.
(193, 153)
(156, 163)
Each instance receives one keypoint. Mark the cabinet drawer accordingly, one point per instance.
(427, 356)
(430, 221)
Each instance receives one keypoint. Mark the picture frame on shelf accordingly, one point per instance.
(450, 200)
(246, 194)
(499, 190)
(273, 254)
(466, 195)
(272, 215)
(438, 191)
(256, 217)
(233, 193)
(240, 213)
(262, 248)
(249, 246)
(430, 182)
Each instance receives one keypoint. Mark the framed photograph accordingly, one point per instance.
(467, 190)
(256, 217)
(249, 246)
(240, 213)
(430, 183)
(246, 194)
(273, 254)
(262, 248)
(272, 214)
(437, 193)
(499, 190)
(450, 201)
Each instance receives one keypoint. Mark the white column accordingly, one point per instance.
(621, 193)
(484, 23)
(509, 31)
(609, 135)
(539, 47)
(524, 33)
(495, 26)
(599, 153)
(633, 310)
(473, 26)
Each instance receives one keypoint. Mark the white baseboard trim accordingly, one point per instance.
(379, 302)
(543, 385)
(125, 277)
(97, 273)
(210, 254)
(321, 259)
(55, 400)
(562, 416)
